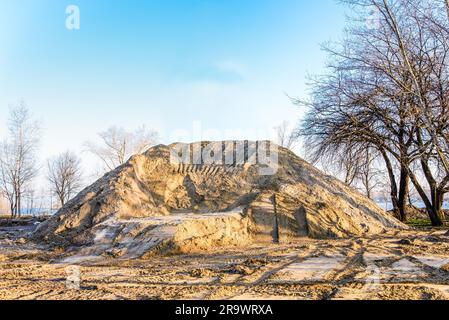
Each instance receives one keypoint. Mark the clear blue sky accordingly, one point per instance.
(162, 63)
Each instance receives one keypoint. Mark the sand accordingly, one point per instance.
(375, 267)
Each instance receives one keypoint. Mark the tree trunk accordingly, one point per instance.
(434, 216)
(437, 204)
(276, 221)
(16, 206)
(447, 8)
(410, 201)
(403, 194)
(19, 205)
(61, 200)
(393, 184)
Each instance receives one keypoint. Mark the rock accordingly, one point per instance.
(152, 203)
(241, 269)
(114, 252)
(21, 241)
(432, 239)
(201, 273)
(445, 267)
(405, 242)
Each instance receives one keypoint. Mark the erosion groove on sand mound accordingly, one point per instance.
(151, 186)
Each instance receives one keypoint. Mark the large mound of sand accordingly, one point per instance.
(151, 188)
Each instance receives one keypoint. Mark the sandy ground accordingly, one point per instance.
(406, 265)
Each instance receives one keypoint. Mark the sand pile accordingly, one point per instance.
(177, 233)
(172, 188)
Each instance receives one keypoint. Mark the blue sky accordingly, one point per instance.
(226, 64)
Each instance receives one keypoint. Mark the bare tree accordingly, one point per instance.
(18, 161)
(350, 164)
(8, 176)
(30, 200)
(118, 145)
(286, 136)
(387, 88)
(64, 176)
(41, 202)
(370, 175)
(3, 205)
(341, 160)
